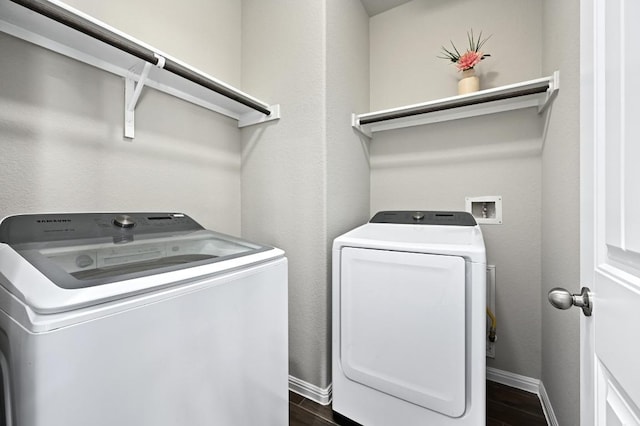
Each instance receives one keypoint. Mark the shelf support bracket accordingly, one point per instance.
(256, 117)
(552, 92)
(132, 92)
(355, 123)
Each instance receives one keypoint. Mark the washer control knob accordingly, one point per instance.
(418, 216)
(124, 221)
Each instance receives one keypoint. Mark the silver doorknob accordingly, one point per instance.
(562, 299)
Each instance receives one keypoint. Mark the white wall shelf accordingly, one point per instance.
(62, 29)
(534, 93)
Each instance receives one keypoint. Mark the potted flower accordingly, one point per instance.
(466, 62)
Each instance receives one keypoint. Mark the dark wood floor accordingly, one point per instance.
(505, 407)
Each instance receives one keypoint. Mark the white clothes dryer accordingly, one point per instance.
(139, 319)
(409, 321)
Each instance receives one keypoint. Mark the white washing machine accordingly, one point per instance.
(409, 321)
(139, 319)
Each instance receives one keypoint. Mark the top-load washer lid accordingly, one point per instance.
(84, 250)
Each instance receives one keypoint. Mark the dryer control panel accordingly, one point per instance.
(417, 217)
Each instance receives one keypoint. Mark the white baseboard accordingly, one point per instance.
(514, 380)
(527, 384)
(310, 391)
(546, 406)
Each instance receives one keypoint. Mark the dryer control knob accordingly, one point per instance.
(124, 221)
(418, 216)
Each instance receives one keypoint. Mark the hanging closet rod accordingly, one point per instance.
(423, 109)
(94, 30)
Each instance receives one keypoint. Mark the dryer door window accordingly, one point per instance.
(403, 326)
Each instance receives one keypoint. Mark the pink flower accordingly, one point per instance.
(469, 60)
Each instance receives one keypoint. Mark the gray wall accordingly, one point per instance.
(560, 211)
(62, 145)
(406, 42)
(436, 166)
(283, 164)
(297, 173)
(348, 186)
(206, 34)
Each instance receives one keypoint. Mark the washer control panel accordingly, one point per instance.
(122, 227)
(124, 221)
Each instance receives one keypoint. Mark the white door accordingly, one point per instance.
(610, 210)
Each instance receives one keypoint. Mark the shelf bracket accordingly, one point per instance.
(132, 92)
(256, 117)
(355, 123)
(552, 92)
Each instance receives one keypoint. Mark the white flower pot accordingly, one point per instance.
(469, 82)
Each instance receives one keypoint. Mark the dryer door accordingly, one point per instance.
(403, 326)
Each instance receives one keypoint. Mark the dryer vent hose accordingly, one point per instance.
(492, 329)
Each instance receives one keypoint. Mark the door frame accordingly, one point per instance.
(589, 57)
